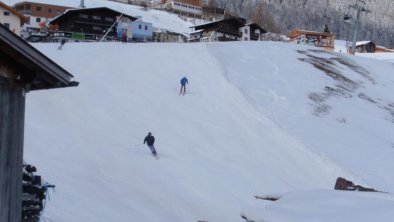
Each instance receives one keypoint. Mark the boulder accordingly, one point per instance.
(343, 184)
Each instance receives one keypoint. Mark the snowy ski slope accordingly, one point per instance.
(256, 119)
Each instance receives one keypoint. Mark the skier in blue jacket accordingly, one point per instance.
(184, 81)
(62, 42)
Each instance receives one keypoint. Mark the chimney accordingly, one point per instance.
(82, 4)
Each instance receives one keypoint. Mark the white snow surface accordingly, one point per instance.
(326, 205)
(247, 126)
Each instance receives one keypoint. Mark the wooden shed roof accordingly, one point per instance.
(298, 32)
(239, 22)
(34, 69)
(364, 43)
(70, 12)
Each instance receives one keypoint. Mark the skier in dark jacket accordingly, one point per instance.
(184, 81)
(150, 140)
(62, 42)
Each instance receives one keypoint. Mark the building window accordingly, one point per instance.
(246, 31)
(38, 9)
(38, 19)
(58, 11)
(139, 26)
(109, 19)
(95, 17)
(7, 13)
(146, 27)
(50, 10)
(97, 28)
(83, 16)
(7, 25)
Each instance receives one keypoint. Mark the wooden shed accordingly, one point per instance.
(22, 69)
(365, 47)
(319, 39)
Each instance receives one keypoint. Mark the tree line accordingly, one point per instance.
(281, 16)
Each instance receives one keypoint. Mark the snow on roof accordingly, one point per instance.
(303, 30)
(362, 43)
(312, 32)
(198, 31)
(77, 9)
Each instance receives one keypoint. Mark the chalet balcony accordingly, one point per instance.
(229, 31)
(26, 12)
(93, 22)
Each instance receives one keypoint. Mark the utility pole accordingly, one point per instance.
(327, 18)
(105, 35)
(359, 7)
(82, 4)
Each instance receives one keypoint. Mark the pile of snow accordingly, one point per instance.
(385, 56)
(325, 205)
(247, 126)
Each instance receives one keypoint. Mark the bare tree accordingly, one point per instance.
(264, 19)
(212, 4)
(258, 13)
(282, 16)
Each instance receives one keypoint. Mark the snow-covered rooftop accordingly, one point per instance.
(362, 43)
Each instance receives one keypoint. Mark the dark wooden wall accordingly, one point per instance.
(73, 23)
(12, 116)
(366, 48)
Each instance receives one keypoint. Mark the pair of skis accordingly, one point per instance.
(156, 156)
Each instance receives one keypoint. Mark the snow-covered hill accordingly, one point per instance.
(258, 118)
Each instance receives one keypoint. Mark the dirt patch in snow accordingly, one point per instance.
(339, 68)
